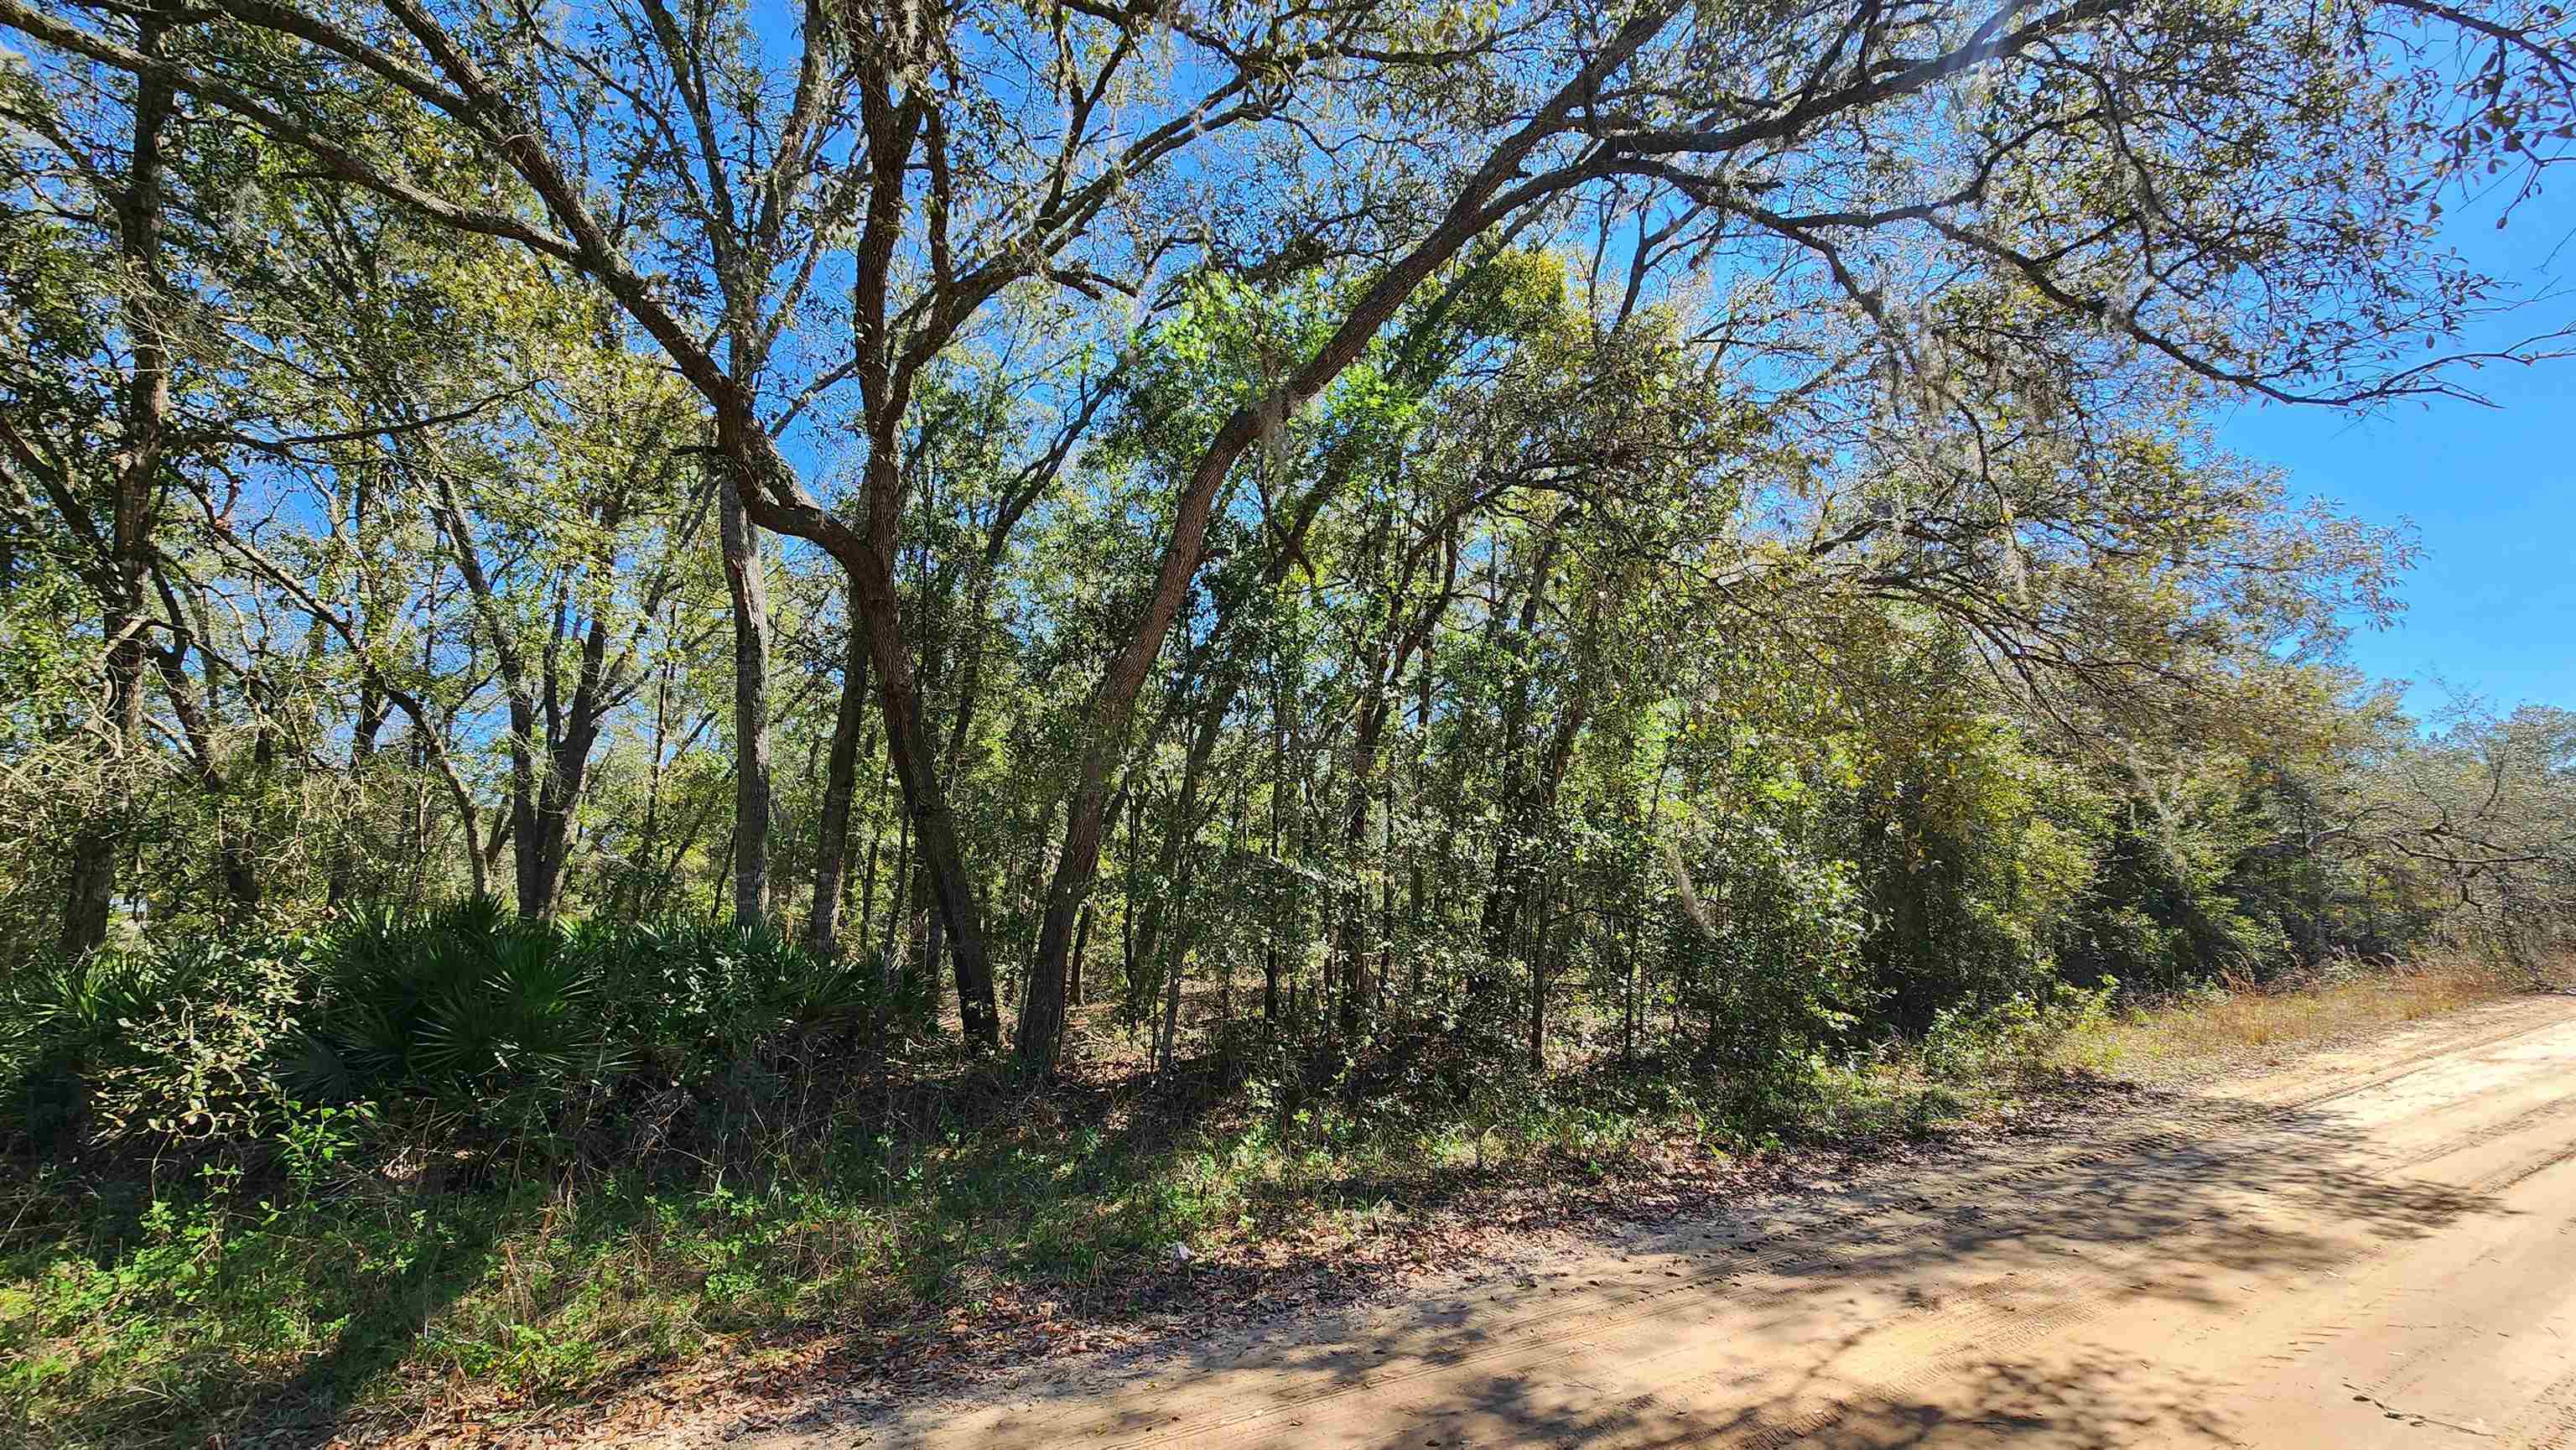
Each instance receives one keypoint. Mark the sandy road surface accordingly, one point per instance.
(2376, 1247)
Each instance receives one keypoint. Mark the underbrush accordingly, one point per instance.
(684, 1141)
(143, 1315)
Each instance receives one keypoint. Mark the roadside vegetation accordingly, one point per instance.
(774, 1170)
(687, 682)
(2235, 1024)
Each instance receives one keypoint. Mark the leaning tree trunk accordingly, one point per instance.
(942, 861)
(1113, 700)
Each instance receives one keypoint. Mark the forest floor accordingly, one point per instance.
(2220, 1223)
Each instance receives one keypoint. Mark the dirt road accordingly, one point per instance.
(2375, 1247)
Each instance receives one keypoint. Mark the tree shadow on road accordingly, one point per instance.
(2183, 1190)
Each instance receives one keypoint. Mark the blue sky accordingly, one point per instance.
(2491, 607)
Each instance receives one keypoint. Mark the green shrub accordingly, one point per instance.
(1772, 965)
(459, 1007)
(177, 1040)
(2012, 1038)
(451, 999)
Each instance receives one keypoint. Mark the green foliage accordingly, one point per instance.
(1974, 848)
(228, 1040)
(177, 1040)
(448, 1000)
(2015, 1037)
(1776, 969)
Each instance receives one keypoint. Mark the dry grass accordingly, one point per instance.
(2212, 1028)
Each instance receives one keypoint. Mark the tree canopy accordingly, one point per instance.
(1696, 521)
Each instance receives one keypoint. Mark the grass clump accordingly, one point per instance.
(2225, 1022)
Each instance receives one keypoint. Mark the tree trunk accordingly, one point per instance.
(1385, 895)
(1131, 970)
(90, 893)
(1538, 1003)
(841, 774)
(1518, 788)
(1169, 1037)
(1081, 945)
(577, 726)
(934, 940)
(901, 883)
(1184, 827)
(745, 580)
(373, 709)
(934, 823)
(242, 841)
(868, 888)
